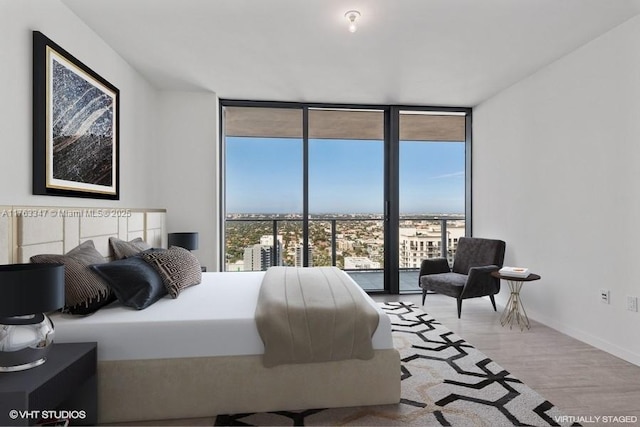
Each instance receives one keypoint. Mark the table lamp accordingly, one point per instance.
(27, 292)
(188, 241)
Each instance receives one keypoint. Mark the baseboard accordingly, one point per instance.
(581, 335)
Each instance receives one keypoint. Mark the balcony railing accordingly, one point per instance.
(432, 237)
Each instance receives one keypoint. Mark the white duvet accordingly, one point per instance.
(214, 318)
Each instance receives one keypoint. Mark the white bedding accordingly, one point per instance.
(214, 318)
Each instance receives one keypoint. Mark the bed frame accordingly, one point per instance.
(159, 389)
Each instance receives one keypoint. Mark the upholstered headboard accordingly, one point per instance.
(32, 230)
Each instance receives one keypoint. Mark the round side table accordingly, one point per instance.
(514, 310)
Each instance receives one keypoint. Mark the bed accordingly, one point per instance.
(199, 355)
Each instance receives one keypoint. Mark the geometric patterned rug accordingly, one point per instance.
(445, 382)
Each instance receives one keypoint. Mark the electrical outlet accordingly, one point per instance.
(632, 303)
(604, 296)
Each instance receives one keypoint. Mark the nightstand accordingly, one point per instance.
(64, 385)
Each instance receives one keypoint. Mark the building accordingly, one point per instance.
(268, 241)
(261, 256)
(257, 257)
(236, 266)
(417, 244)
(299, 255)
(360, 263)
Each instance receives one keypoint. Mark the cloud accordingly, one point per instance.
(448, 175)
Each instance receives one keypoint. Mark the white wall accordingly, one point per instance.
(167, 139)
(187, 183)
(138, 118)
(556, 175)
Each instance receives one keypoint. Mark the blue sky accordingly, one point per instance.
(345, 176)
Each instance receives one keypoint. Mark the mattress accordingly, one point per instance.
(214, 318)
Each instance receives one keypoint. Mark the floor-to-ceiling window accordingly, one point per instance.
(432, 189)
(346, 192)
(263, 173)
(369, 189)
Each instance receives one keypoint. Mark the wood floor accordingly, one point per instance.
(579, 379)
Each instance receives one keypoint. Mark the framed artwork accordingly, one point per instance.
(75, 126)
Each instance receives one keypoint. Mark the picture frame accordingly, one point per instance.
(76, 124)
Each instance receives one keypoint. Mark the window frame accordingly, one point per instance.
(391, 172)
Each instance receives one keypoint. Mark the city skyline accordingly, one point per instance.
(264, 175)
(352, 245)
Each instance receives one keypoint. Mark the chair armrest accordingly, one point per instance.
(480, 282)
(434, 266)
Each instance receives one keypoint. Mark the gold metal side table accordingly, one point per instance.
(514, 310)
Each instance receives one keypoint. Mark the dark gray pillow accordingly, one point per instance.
(135, 283)
(178, 268)
(122, 249)
(84, 290)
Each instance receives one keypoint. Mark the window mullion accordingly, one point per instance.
(305, 186)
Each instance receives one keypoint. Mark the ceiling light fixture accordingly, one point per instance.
(351, 16)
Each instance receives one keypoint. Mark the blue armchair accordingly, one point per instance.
(470, 276)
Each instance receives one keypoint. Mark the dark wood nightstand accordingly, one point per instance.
(64, 385)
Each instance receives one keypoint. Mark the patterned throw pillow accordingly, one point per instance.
(178, 268)
(123, 249)
(84, 291)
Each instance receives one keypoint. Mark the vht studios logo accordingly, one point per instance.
(47, 415)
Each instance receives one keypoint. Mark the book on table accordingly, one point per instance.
(519, 272)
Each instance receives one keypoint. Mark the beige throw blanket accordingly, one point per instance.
(313, 314)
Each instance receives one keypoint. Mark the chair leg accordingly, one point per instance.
(493, 301)
(459, 307)
(424, 295)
